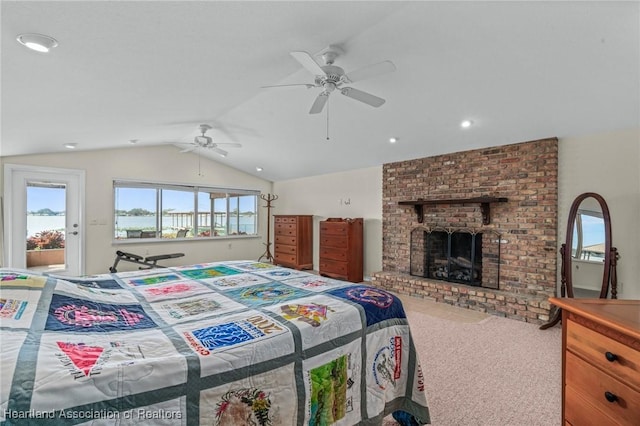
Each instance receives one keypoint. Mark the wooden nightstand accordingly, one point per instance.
(600, 361)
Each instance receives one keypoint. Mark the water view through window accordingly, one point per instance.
(173, 211)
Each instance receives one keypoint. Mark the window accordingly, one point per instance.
(164, 211)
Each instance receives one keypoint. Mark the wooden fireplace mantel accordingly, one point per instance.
(485, 203)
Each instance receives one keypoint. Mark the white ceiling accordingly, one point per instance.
(155, 70)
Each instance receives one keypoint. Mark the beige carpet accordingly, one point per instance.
(490, 371)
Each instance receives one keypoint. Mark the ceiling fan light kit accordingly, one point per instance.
(206, 142)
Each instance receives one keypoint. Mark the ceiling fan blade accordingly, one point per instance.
(309, 86)
(307, 61)
(231, 144)
(319, 103)
(182, 151)
(361, 96)
(220, 152)
(370, 71)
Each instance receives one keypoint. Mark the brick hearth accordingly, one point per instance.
(525, 173)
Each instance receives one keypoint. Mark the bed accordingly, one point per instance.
(221, 343)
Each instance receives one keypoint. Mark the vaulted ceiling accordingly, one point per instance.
(153, 71)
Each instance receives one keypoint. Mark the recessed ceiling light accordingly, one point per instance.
(38, 42)
(70, 145)
(393, 140)
(466, 124)
(258, 169)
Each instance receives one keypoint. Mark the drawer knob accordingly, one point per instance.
(610, 356)
(610, 396)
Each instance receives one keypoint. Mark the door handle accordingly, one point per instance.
(74, 233)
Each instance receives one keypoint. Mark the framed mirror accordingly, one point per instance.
(588, 256)
(588, 267)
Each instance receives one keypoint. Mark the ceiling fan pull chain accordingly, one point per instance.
(327, 119)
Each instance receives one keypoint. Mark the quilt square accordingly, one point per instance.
(316, 283)
(19, 279)
(222, 342)
(210, 272)
(387, 364)
(332, 382)
(85, 316)
(319, 318)
(97, 294)
(194, 308)
(75, 369)
(254, 266)
(92, 281)
(236, 281)
(379, 305)
(280, 274)
(17, 307)
(11, 343)
(266, 294)
(172, 290)
(142, 280)
(264, 400)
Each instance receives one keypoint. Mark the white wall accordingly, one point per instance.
(352, 194)
(607, 164)
(156, 164)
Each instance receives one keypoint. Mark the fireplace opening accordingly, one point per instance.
(460, 256)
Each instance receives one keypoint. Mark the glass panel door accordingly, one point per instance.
(46, 224)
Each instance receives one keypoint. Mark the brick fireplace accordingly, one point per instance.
(509, 266)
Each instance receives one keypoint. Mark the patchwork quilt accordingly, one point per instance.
(221, 343)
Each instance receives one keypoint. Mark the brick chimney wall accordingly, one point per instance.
(525, 173)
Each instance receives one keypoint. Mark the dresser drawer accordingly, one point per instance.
(285, 229)
(285, 219)
(593, 347)
(285, 239)
(330, 253)
(333, 228)
(285, 249)
(579, 412)
(284, 259)
(593, 384)
(333, 267)
(329, 240)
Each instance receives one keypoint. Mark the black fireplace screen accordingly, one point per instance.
(460, 256)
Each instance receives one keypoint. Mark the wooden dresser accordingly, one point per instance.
(341, 249)
(600, 361)
(293, 242)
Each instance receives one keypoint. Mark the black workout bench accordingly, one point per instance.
(148, 262)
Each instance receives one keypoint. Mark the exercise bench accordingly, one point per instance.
(146, 262)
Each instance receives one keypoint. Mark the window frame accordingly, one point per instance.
(197, 227)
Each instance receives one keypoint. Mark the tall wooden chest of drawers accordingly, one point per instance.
(600, 361)
(293, 242)
(341, 248)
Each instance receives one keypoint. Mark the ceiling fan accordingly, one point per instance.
(206, 142)
(331, 77)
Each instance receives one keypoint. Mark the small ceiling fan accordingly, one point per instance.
(206, 142)
(330, 77)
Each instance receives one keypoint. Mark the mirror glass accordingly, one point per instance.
(588, 232)
(586, 255)
(587, 249)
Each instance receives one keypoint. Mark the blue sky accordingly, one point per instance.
(45, 198)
